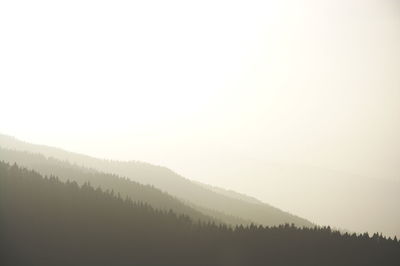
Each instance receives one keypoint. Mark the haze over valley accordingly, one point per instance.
(249, 119)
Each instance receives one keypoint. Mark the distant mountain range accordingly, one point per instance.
(158, 186)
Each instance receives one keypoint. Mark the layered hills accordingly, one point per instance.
(45, 221)
(199, 200)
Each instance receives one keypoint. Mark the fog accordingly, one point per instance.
(287, 101)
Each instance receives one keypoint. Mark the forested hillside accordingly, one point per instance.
(123, 186)
(47, 222)
(211, 201)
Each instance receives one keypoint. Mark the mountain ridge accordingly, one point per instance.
(168, 181)
(48, 222)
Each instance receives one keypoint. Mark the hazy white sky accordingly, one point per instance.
(211, 89)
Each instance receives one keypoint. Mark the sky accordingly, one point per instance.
(223, 92)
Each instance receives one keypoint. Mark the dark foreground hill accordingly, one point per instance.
(44, 221)
(210, 201)
(125, 187)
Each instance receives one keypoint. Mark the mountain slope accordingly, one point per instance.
(46, 222)
(122, 186)
(170, 182)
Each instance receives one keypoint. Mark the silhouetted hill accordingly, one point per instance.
(47, 222)
(202, 196)
(123, 186)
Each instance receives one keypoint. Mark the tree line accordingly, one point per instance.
(44, 221)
